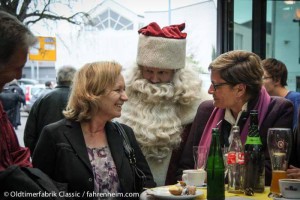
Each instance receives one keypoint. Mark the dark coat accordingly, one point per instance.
(10, 102)
(21, 100)
(61, 153)
(279, 114)
(47, 109)
(176, 155)
(295, 153)
(29, 180)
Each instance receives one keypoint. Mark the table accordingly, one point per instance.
(257, 196)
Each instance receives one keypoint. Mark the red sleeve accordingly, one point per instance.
(20, 155)
(11, 153)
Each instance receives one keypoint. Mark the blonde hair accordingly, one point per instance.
(90, 84)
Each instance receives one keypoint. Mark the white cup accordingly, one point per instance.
(194, 177)
(290, 188)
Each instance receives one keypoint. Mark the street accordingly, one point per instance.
(20, 131)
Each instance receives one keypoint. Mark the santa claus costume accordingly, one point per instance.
(161, 114)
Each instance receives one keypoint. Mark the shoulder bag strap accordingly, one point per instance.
(128, 149)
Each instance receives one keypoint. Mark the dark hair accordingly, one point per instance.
(48, 83)
(13, 35)
(276, 69)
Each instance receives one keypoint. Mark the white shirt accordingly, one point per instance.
(229, 118)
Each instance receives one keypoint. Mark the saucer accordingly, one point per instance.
(163, 193)
(282, 198)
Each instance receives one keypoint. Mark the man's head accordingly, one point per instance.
(275, 74)
(15, 40)
(65, 75)
(157, 112)
(157, 75)
(161, 52)
(49, 84)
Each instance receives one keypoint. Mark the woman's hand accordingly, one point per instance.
(293, 172)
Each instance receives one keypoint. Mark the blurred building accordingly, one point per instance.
(270, 28)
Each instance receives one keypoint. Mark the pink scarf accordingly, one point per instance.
(218, 115)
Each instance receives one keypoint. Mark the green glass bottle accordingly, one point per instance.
(254, 158)
(215, 169)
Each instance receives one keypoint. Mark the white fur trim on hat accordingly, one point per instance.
(165, 53)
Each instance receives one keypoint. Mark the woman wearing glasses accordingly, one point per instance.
(236, 87)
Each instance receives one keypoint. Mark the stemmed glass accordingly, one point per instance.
(200, 154)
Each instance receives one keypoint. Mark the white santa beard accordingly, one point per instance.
(154, 120)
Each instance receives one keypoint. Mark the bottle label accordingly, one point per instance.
(231, 158)
(253, 140)
(235, 157)
(241, 158)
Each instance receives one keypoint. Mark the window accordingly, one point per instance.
(283, 38)
(238, 41)
(242, 25)
(110, 19)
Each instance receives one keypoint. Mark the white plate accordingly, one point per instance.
(202, 186)
(163, 193)
(282, 198)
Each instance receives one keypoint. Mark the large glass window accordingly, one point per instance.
(110, 19)
(242, 24)
(283, 36)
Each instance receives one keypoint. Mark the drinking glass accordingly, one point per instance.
(279, 142)
(200, 154)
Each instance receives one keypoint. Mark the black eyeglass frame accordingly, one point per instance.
(215, 86)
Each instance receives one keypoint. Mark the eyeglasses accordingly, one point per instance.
(218, 85)
(266, 77)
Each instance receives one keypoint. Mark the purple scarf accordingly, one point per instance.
(218, 115)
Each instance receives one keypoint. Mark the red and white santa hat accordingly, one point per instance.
(162, 48)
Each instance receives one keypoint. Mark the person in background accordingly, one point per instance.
(54, 101)
(15, 40)
(163, 96)
(49, 85)
(275, 82)
(14, 87)
(85, 150)
(293, 170)
(237, 88)
(10, 102)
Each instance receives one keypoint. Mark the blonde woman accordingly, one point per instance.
(85, 150)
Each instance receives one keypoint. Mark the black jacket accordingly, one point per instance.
(61, 153)
(10, 102)
(21, 182)
(47, 109)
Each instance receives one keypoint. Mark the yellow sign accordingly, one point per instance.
(44, 50)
